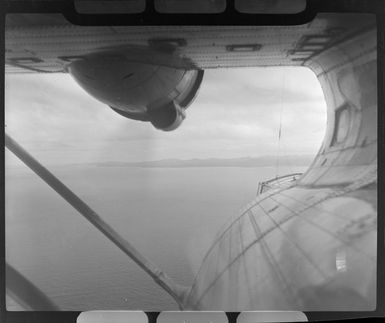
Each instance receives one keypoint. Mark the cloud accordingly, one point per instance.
(236, 113)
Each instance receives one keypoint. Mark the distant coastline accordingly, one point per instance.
(263, 161)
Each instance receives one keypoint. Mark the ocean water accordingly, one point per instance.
(170, 215)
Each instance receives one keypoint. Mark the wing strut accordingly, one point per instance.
(25, 293)
(176, 291)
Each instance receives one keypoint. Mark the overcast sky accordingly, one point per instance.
(236, 114)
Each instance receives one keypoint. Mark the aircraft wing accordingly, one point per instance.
(47, 43)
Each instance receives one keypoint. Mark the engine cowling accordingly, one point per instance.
(139, 90)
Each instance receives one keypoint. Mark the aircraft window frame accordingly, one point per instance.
(342, 123)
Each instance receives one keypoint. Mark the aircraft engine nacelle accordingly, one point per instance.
(138, 90)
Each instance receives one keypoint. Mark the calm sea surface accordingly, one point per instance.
(171, 215)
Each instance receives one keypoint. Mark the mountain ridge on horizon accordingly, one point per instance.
(268, 160)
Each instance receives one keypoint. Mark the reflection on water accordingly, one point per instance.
(169, 214)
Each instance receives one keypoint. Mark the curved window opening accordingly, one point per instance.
(190, 6)
(110, 6)
(270, 6)
(245, 126)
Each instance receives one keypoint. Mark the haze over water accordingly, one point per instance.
(171, 215)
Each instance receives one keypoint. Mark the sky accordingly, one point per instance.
(237, 113)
